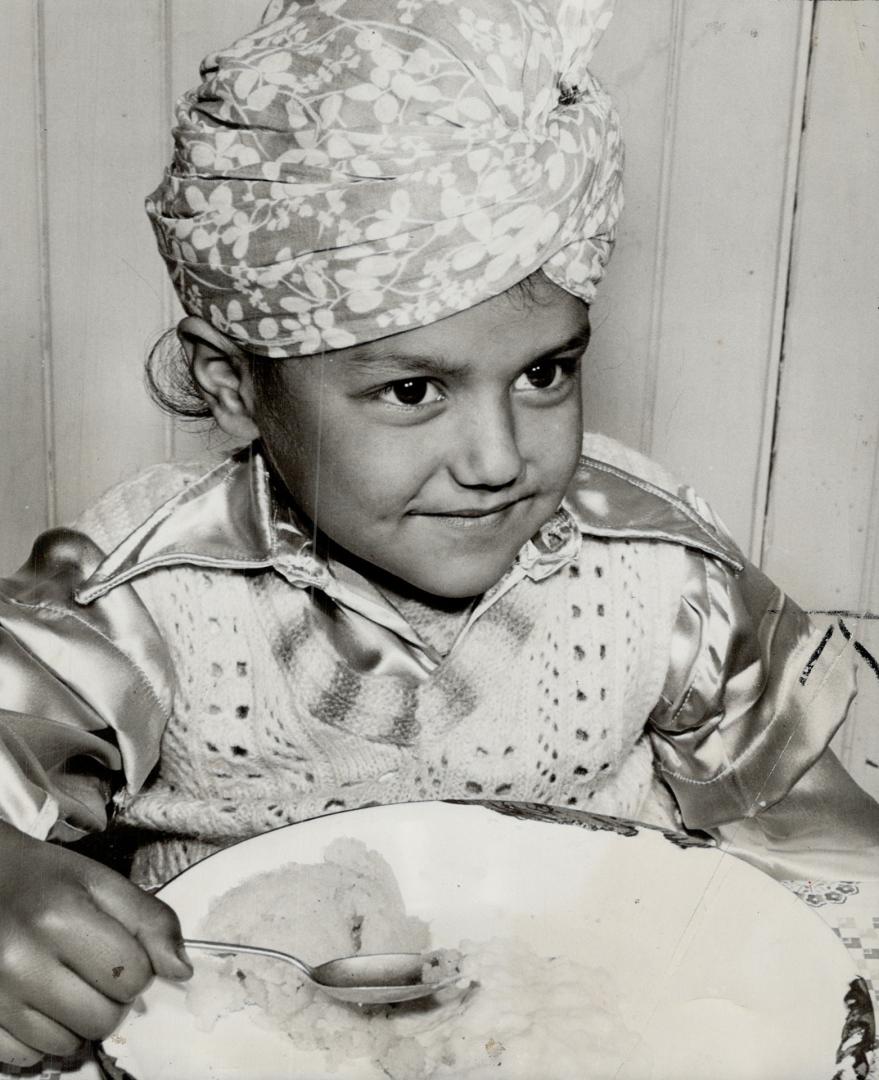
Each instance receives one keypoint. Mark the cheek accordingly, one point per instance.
(365, 477)
(554, 439)
(295, 458)
(572, 440)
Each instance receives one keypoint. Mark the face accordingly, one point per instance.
(435, 454)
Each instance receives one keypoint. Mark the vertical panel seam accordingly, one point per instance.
(786, 245)
(46, 354)
(660, 257)
(166, 105)
(866, 600)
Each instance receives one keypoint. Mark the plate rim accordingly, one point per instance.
(857, 1044)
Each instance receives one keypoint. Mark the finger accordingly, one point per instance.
(148, 919)
(37, 1032)
(74, 1006)
(50, 1008)
(14, 1052)
(92, 945)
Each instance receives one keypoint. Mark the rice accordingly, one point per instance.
(512, 1013)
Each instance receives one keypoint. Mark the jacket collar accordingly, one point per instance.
(230, 519)
(227, 519)
(608, 502)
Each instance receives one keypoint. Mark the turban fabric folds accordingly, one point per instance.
(355, 168)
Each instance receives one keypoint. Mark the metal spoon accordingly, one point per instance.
(373, 979)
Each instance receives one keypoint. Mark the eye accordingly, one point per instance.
(410, 393)
(547, 374)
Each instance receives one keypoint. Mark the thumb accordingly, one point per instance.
(150, 920)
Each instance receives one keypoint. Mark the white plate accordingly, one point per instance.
(722, 972)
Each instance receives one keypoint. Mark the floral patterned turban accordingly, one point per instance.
(354, 168)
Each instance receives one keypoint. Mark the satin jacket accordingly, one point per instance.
(754, 690)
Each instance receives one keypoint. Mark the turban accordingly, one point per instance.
(355, 168)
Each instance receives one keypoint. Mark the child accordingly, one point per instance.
(385, 222)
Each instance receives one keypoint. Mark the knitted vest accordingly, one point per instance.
(544, 698)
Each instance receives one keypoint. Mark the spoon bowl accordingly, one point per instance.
(371, 979)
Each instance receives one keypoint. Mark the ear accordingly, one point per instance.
(223, 377)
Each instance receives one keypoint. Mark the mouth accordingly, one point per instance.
(473, 516)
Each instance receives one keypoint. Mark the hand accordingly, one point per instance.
(78, 943)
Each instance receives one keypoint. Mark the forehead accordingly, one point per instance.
(516, 326)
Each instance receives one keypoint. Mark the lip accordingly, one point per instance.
(472, 511)
(473, 516)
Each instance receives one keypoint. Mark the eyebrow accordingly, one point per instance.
(437, 364)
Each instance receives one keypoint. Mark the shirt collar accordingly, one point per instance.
(231, 518)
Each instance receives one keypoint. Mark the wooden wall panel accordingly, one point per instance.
(734, 107)
(104, 90)
(822, 531)
(24, 460)
(637, 62)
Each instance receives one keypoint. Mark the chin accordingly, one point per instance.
(463, 586)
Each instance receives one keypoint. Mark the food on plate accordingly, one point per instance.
(509, 1015)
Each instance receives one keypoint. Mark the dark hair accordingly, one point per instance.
(172, 386)
(169, 379)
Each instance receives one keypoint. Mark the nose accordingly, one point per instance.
(486, 451)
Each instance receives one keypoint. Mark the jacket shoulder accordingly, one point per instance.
(618, 493)
(128, 504)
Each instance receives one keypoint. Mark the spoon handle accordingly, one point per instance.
(253, 950)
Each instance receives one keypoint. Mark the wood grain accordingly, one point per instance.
(638, 62)
(725, 219)
(104, 69)
(25, 463)
(822, 531)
